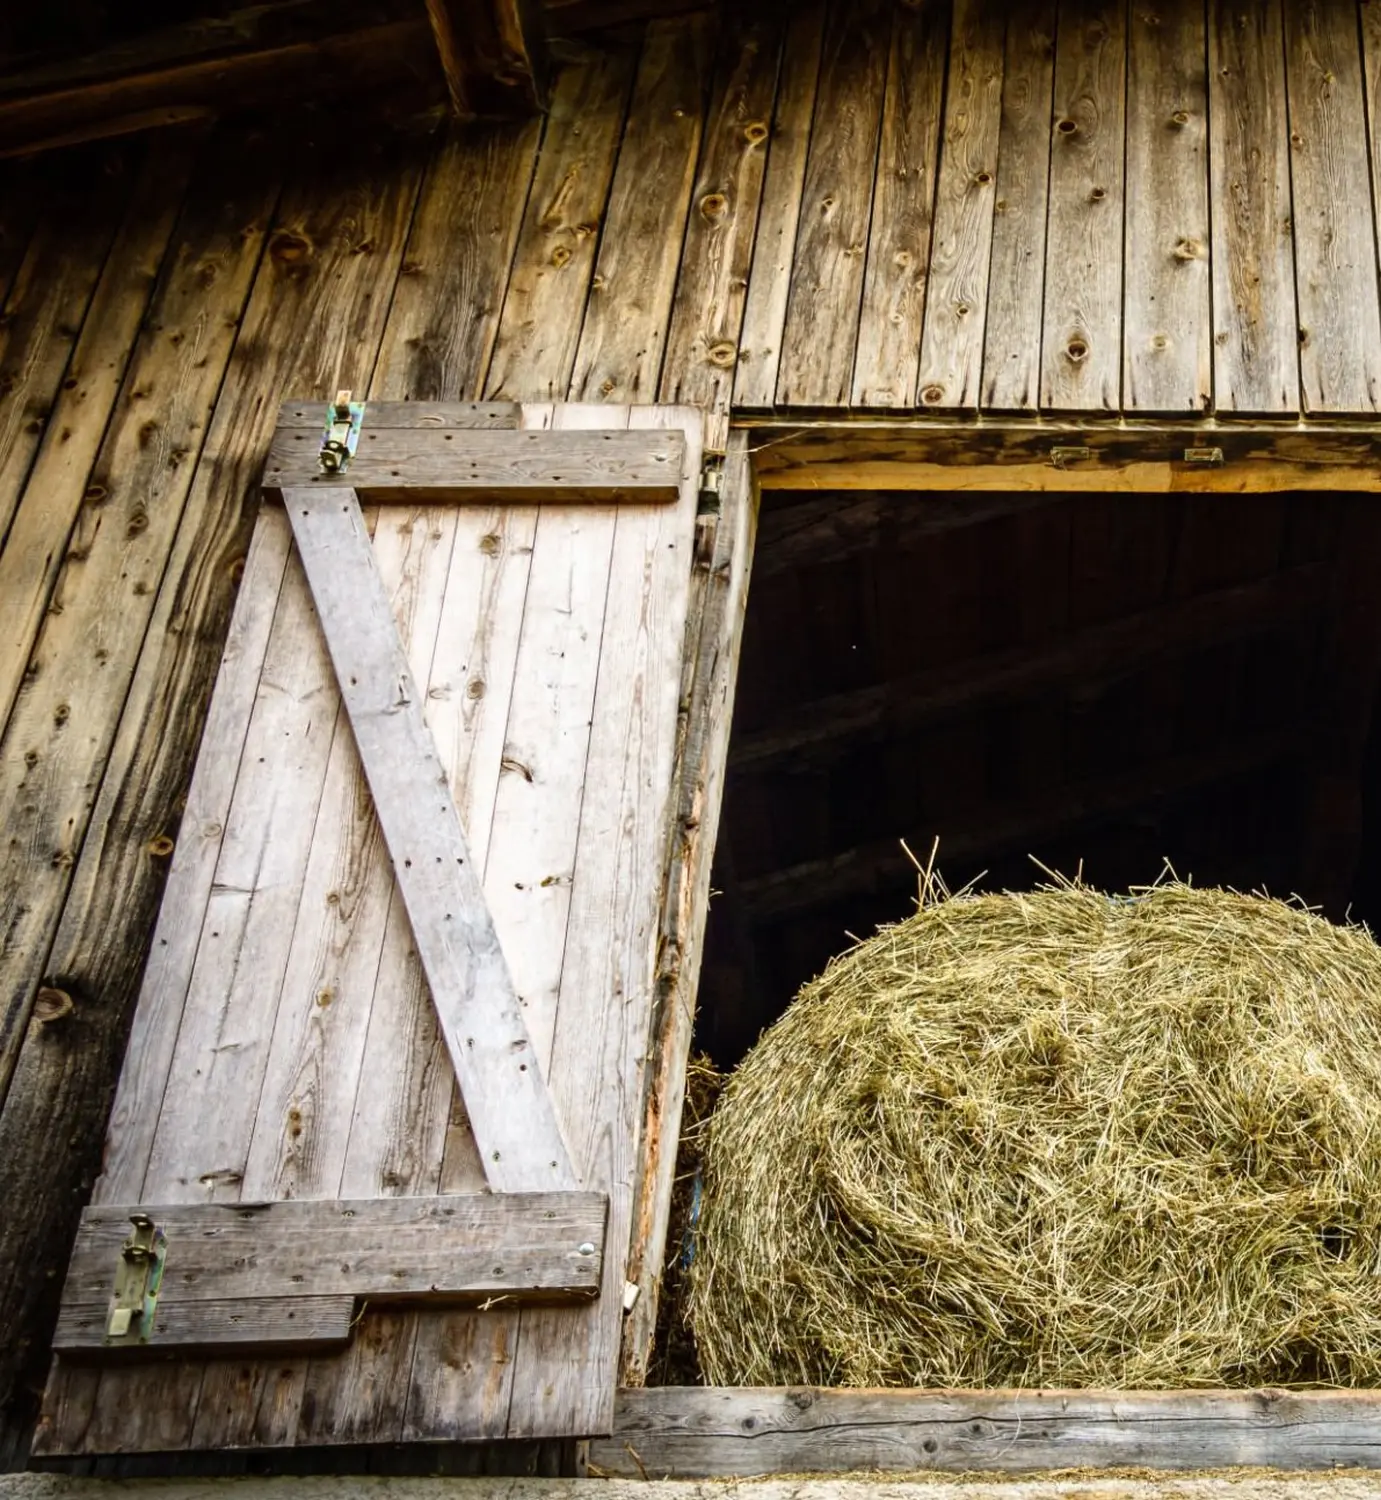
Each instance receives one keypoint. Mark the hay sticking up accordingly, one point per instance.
(1057, 1139)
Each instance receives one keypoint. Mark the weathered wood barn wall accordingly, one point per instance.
(1073, 207)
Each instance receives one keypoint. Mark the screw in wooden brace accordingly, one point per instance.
(138, 1277)
(344, 419)
(1062, 456)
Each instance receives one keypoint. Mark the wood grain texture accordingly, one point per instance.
(619, 357)
(1016, 280)
(1255, 336)
(1334, 228)
(828, 266)
(278, 1325)
(956, 308)
(1167, 343)
(1081, 347)
(769, 283)
(539, 329)
(689, 1433)
(899, 231)
(702, 349)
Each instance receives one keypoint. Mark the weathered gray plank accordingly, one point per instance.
(1334, 227)
(459, 1245)
(1167, 355)
(821, 330)
(684, 1432)
(413, 466)
(509, 1105)
(956, 306)
(769, 283)
(899, 231)
(1255, 333)
(1081, 350)
(281, 1324)
(1012, 346)
(427, 415)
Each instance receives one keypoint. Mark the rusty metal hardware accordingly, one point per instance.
(1205, 458)
(344, 418)
(711, 483)
(138, 1277)
(1062, 457)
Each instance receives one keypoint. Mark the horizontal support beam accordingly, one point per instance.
(817, 882)
(1066, 456)
(493, 55)
(686, 1432)
(411, 465)
(461, 1247)
(281, 1325)
(1105, 653)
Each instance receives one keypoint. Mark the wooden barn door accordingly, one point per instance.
(370, 1168)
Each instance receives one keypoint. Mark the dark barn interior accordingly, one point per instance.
(1102, 682)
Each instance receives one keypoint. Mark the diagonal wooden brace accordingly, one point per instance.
(510, 1108)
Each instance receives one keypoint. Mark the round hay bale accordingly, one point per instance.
(1057, 1139)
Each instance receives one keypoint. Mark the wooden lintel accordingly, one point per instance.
(684, 1432)
(492, 55)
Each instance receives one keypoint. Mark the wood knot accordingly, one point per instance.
(289, 248)
(1067, 127)
(62, 713)
(561, 256)
(160, 846)
(722, 355)
(755, 133)
(1179, 119)
(1160, 342)
(714, 205)
(52, 1004)
(932, 395)
(1076, 351)
(475, 688)
(490, 544)
(1096, 195)
(94, 494)
(983, 178)
(1187, 249)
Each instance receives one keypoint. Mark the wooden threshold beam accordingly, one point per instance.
(1101, 654)
(684, 1432)
(817, 882)
(492, 54)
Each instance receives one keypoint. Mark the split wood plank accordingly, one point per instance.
(566, 1360)
(619, 357)
(534, 351)
(769, 282)
(1016, 281)
(281, 1325)
(702, 349)
(686, 1433)
(956, 305)
(510, 1108)
(1081, 349)
(1255, 334)
(1334, 224)
(417, 465)
(820, 335)
(899, 231)
(465, 1244)
(1167, 347)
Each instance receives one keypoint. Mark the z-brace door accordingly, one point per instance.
(378, 1120)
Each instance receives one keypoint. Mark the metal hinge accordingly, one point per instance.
(711, 482)
(1204, 457)
(344, 418)
(138, 1277)
(1062, 457)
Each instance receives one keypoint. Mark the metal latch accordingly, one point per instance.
(138, 1277)
(344, 418)
(1204, 457)
(1062, 457)
(711, 482)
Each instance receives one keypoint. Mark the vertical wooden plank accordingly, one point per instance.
(1016, 281)
(821, 331)
(1334, 223)
(899, 232)
(703, 340)
(1255, 331)
(567, 1359)
(534, 352)
(956, 307)
(1167, 344)
(1369, 12)
(619, 357)
(1081, 348)
(769, 282)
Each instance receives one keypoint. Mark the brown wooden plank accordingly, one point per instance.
(1334, 225)
(619, 357)
(899, 231)
(411, 466)
(1255, 334)
(686, 1433)
(539, 328)
(956, 307)
(702, 348)
(1167, 344)
(821, 330)
(769, 283)
(1081, 349)
(1016, 281)
(281, 1325)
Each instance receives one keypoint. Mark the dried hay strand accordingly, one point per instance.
(1057, 1139)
